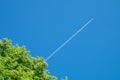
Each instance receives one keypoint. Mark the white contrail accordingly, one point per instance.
(69, 39)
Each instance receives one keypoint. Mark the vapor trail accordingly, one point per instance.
(69, 39)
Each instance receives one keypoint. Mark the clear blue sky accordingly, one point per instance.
(43, 25)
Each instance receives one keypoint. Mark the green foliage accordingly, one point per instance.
(17, 64)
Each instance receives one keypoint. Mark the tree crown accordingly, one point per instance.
(17, 64)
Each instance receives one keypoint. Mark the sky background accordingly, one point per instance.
(43, 25)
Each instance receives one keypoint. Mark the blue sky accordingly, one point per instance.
(43, 25)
